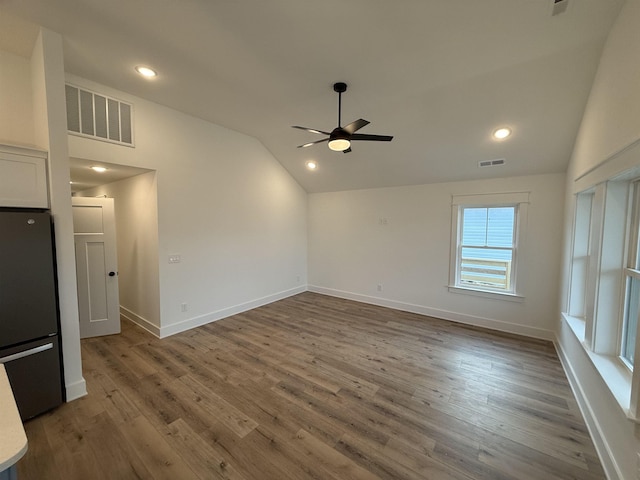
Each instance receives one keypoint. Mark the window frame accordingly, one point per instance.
(460, 260)
(613, 233)
(630, 269)
(582, 247)
(519, 201)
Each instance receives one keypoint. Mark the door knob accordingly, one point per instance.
(112, 274)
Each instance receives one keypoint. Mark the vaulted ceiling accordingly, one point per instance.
(439, 75)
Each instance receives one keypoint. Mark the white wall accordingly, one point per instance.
(136, 215)
(611, 124)
(351, 252)
(50, 125)
(225, 204)
(16, 104)
(611, 120)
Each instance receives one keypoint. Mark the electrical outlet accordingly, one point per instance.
(174, 259)
(298, 278)
(183, 307)
(379, 287)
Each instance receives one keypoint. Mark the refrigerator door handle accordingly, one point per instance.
(26, 353)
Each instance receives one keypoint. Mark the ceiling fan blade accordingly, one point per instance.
(312, 130)
(376, 138)
(347, 150)
(312, 143)
(356, 125)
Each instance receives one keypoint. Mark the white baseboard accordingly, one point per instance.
(76, 390)
(140, 321)
(194, 322)
(438, 313)
(607, 459)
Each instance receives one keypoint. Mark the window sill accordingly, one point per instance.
(578, 326)
(614, 374)
(510, 297)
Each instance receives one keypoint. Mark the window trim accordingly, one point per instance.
(519, 200)
(611, 241)
(621, 166)
(631, 266)
(495, 294)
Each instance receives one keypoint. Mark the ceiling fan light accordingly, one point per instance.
(339, 144)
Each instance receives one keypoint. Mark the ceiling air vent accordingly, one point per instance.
(97, 116)
(491, 163)
(559, 6)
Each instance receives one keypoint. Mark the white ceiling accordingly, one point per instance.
(83, 177)
(439, 75)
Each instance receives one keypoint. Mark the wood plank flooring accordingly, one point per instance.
(314, 387)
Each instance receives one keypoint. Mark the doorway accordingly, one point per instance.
(134, 194)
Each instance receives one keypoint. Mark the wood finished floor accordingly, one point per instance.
(314, 387)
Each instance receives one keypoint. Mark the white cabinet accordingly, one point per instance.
(23, 177)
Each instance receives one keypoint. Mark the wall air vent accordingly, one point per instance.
(97, 116)
(491, 163)
(559, 6)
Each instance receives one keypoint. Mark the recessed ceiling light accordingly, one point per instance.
(146, 71)
(312, 165)
(99, 169)
(501, 133)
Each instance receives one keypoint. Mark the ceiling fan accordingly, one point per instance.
(340, 138)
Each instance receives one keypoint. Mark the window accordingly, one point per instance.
(581, 257)
(603, 301)
(632, 284)
(630, 323)
(487, 247)
(485, 251)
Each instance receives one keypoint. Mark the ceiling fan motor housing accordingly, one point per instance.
(340, 87)
(339, 133)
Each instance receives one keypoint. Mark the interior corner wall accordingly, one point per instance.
(400, 239)
(136, 216)
(226, 206)
(49, 118)
(16, 105)
(608, 143)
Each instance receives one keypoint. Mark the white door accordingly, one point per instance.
(94, 229)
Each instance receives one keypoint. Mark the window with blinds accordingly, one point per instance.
(487, 244)
(487, 247)
(91, 114)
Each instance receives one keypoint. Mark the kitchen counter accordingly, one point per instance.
(13, 440)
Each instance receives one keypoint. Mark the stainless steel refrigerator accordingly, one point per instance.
(29, 324)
